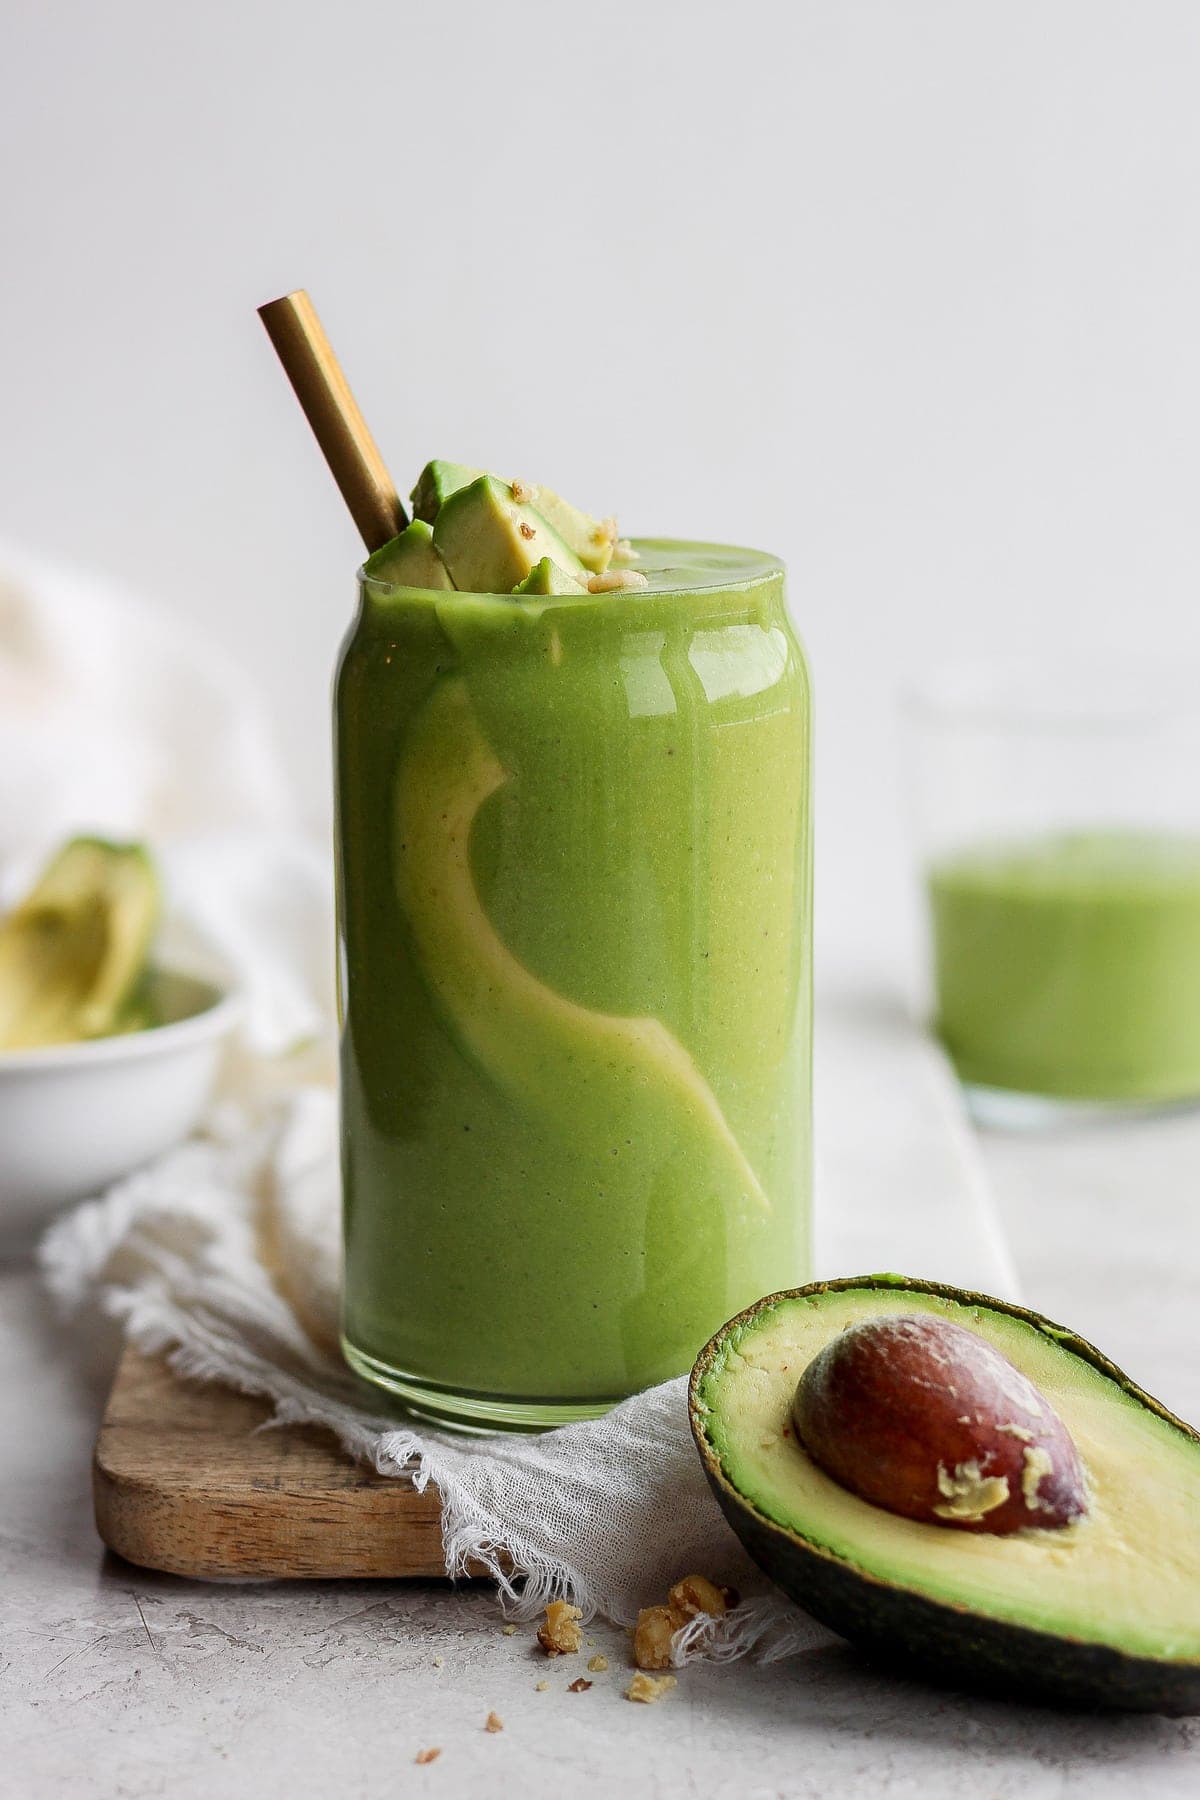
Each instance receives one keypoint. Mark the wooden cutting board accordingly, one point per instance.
(185, 1482)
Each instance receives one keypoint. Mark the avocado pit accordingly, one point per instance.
(925, 1419)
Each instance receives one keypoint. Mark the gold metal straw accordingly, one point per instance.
(330, 408)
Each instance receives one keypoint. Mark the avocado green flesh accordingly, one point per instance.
(435, 484)
(410, 560)
(490, 542)
(585, 536)
(73, 952)
(1127, 1576)
(548, 578)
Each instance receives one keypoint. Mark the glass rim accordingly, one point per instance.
(1057, 694)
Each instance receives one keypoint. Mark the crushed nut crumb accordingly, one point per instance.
(523, 492)
(438, 1661)
(508, 1631)
(493, 1722)
(597, 1664)
(428, 1756)
(578, 1686)
(539, 1687)
(695, 1594)
(614, 581)
(560, 1635)
(649, 1688)
(526, 529)
(652, 1637)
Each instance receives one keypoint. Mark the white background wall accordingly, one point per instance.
(907, 290)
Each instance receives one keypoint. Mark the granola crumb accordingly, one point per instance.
(560, 1635)
(493, 1722)
(539, 1687)
(656, 1625)
(597, 1664)
(649, 1688)
(508, 1631)
(526, 529)
(523, 492)
(578, 1686)
(695, 1594)
(428, 1756)
(615, 581)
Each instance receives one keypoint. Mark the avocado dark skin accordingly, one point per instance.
(949, 1643)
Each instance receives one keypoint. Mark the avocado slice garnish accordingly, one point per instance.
(556, 1059)
(1102, 1610)
(592, 540)
(490, 535)
(435, 484)
(73, 953)
(547, 578)
(490, 541)
(409, 560)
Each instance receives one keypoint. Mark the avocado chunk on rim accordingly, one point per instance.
(490, 542)
(1103, 1613)
(410, 560)
(592, 540)
(435, 484)
(73, 952)
(548, 578)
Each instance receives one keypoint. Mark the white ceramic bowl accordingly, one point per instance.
(74, 1117)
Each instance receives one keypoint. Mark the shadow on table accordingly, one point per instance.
(838, 1689)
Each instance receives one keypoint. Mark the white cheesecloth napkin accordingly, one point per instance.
(224, 1253)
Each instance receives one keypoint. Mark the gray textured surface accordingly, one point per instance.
(115, 1682)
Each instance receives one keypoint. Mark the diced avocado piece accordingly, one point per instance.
(74, 950)
(591, 539)
(410, 560)
(548, 578)
(489, 542)
(435, 484)
(1102, 1612)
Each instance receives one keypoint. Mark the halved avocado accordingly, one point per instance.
(73, 953)
(1104, 1612)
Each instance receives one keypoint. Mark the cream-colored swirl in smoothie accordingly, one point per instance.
(573, 1067)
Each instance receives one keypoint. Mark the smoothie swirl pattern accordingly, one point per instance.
(550, 1055)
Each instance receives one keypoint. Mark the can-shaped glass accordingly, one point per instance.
(575, 933)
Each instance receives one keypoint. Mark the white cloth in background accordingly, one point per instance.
(224, 1253)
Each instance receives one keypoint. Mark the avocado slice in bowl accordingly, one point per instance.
(73, 952)
(1098, 1607)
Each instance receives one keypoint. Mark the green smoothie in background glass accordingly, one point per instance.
(1069, 965)
(574, 878)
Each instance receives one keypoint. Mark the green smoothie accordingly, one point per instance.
(574, 878)
(1069, 966)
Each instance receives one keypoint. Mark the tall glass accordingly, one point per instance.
(574, 895)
